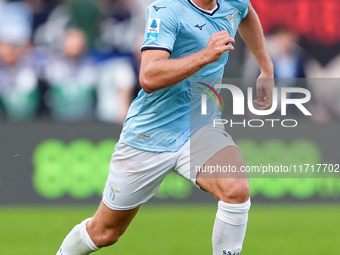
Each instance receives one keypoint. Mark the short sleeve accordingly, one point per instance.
(161, 27)
(246, 11)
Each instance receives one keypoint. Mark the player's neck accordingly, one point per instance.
(206, 4)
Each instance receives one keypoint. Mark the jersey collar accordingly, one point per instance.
(205, 11)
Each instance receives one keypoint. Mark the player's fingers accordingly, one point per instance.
(259, 103)
(225, 44)
(263, 105)
(260, 94)
(227, 39)
(269, 93)
(266, 107)
(231, 40)
(222, 34)
(229, 47)
(268, 104)
(219, 36)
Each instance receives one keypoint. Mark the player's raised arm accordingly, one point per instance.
(251, 32)
(158, 71)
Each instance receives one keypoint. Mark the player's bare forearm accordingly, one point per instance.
(251, 32)
(158, 71)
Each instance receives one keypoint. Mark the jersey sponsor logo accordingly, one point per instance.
(153, 28)
(231, 18)
(144, 137)
(200, 27)
(157, 8)
(230, 253)
(113, 193)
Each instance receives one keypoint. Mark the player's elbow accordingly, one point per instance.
(147, 84)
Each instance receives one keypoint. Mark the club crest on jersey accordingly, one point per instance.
(153, 28)
(231, 18)
(113, 193)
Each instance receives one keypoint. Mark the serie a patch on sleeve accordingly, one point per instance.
(153, 28)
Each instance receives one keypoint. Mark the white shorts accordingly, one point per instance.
(135, 175)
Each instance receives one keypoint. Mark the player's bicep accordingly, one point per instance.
(149, 65)
(149, 57)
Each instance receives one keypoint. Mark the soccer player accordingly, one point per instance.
(183, 39)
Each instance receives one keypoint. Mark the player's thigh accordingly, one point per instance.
(227, 182)
(204, 160)
(108, 225)
(135, 176)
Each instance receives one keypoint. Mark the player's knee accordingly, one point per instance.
(108, 237)
(236, 192)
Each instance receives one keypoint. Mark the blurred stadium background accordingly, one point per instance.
(68, 71)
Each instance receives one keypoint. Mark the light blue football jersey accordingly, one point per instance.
(160, 121)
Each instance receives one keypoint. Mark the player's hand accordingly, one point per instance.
(264, 87)
(219, 43)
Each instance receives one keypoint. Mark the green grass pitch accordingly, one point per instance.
(173, 230)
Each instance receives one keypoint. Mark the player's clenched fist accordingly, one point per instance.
(219, 43)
